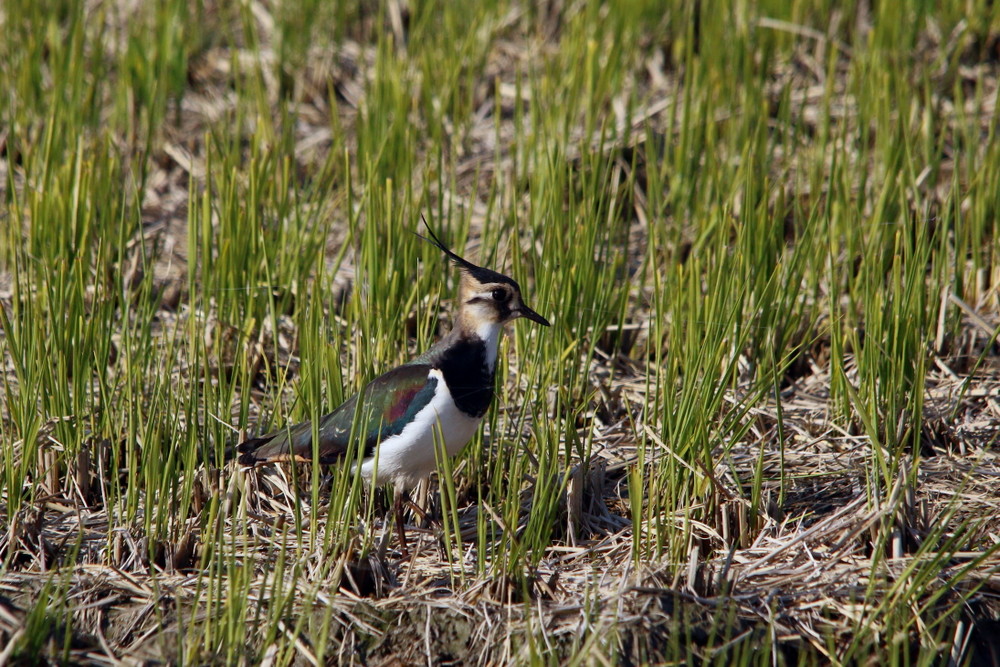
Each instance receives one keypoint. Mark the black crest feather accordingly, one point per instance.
(481, 274)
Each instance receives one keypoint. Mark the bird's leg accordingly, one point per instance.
(397, 506)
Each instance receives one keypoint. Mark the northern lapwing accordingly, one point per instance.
(444, 393)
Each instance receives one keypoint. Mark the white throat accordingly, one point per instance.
(490, 333)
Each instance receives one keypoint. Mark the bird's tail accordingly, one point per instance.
(258, 451)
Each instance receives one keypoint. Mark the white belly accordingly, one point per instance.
(405, 459)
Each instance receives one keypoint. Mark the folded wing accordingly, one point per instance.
(388, 404)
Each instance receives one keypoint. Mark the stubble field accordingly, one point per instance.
(762, 429)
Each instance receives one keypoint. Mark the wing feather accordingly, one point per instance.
(388, 404)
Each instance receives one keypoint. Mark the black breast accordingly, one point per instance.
(468, 377)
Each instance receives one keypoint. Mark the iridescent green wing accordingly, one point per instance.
(388, 404)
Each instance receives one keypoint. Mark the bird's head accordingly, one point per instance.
(491, 297)
(487, 297)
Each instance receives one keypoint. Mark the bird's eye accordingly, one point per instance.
(499, 295)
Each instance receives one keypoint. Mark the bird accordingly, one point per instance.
(440, 396)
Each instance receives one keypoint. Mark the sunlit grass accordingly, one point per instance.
(778, 199)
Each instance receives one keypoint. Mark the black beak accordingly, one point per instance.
(524, 311)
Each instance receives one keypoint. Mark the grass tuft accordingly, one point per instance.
(760, 429)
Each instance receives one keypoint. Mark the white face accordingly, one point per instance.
(493, 303)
